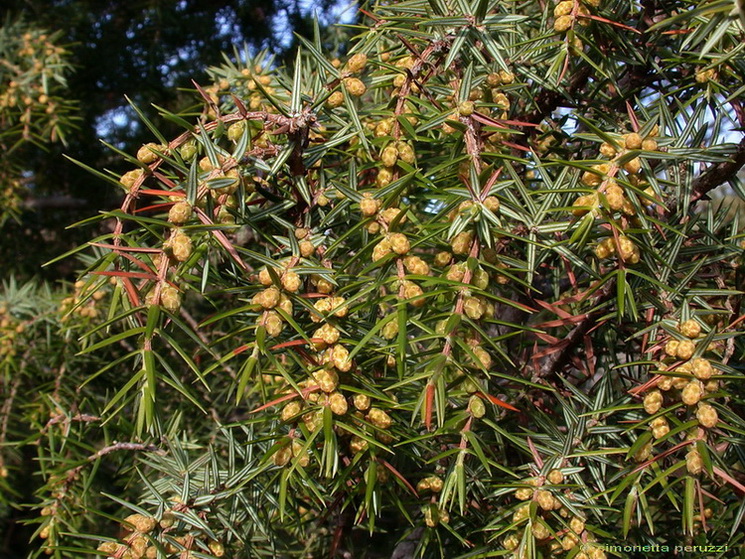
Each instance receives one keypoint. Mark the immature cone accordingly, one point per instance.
(340, 358)
(273, 323)
(382, 249)
(563, 23)
(180, 213)
(188, 151)
(692, 393)
(431, 516)
(483, 358)
(605, 248)
(581, 204)
(607, 150)
(336, 99)
(361, 401)
(297, 451)
(415, 265)
(577, 525)
(685, 350)
(501, 101)
(627, 250)
(653, 402)
(269, 298)
(701, 368)
(216, 548)
(307, 249)
(435, 484)
(354, 87)
(357, 444)
(461, 243)
(129, 178)
(413, 294)
(108, 547)
(690, 328)
(694, 462)
(406, 153)
(399, 243)
(511, 542)
(389, 156)
(313, 420)
(633, 166)
(614, 196)
(476, 407)
(235, 130)
(390, 214)
(285, 303)
(644, 452)
(491, 203)
(466, 108)
(326, 380)
(290, 410)
(595, 177)
(473, 307)
(328, 333)
(369, 206)
(660, 427)
(679, 383)
(265, 278)
(146, 154)
(423, 485)
(282, 456)
(170, 298)
(291, 282)
(390, 330)
(338, 403)
(521, 513)
(540, 531)
(379, 418)
(555, 477)
(480, 280)
(180, 245)
(356, 63)
(337, 305)
(563, 8)
(443, 258)
(323, 285)
(544, 499)
(141, 523)
(633, 141)
(665, 384)
(703, 76)
(707, 416)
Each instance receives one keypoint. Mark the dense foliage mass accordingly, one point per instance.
(458, 294)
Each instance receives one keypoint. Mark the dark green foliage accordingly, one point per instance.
(459, 294)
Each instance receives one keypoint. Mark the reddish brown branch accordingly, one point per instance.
(559, 359)
(719, 173)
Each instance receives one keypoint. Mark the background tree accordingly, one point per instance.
(456, 295)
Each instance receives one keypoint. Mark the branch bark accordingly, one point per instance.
(719, 173)
(558, 360)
